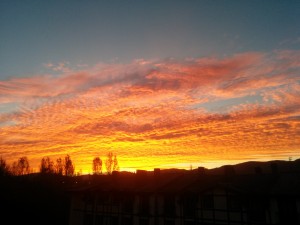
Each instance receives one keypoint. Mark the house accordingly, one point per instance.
(187, 198)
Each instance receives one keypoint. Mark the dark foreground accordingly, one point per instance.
(34, 199)
(247, 193)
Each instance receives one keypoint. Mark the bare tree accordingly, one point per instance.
(97, 165)
(116, 164)
(14, 169)
(68, 166)
(21, 167)
(4, 168)
(24, 165)
(59, 168)
(47, 166)
(109, 162)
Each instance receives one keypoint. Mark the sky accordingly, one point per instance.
(161, 84)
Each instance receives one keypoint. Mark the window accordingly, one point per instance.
(189, 223)
(103, 220)
(144, 205)
(88, 219)
(144, 221)
(127, 221)
(169, 222)
(288, 211)
(115, 199)
(234, 203)
(207, 202)
(103, 199)
(127, 204)
(114, 220)
(99, 220)
(169, 206)
(190, 205)
(257, 211)
(88, 199)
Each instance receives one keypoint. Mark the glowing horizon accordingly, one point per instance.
(157, 113)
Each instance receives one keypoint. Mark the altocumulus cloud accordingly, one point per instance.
(204, 107)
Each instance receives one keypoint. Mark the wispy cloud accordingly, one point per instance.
(148, 108)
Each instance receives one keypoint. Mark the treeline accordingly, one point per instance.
(62, 166)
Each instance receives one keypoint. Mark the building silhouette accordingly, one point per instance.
(177, 197)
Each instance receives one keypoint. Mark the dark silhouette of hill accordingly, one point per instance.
(252, 167)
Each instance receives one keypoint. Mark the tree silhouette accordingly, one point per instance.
(59, 168)
(116, 164)
(4, 168)
(63, 167)
(21, 167)
(47, 166)
(68, 166)
(111, 163)
(97, 165)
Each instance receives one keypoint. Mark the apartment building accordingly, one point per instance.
(186, 198)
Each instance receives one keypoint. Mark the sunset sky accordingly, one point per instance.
(161, 84)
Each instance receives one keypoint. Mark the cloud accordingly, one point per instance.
(59, 67)
(158, 105)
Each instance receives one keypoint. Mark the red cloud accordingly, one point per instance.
(157, 105)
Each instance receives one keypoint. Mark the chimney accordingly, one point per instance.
(201, 170)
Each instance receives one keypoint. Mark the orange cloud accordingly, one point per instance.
(157, 113)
